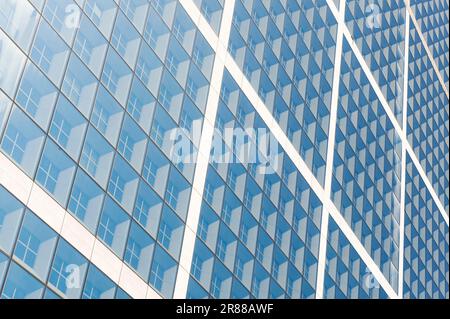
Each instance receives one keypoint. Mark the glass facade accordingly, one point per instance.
(286, 49)
(317, 141)
(426, 261)
(37, 263)
(432, 17)
(367, 168)
(258, 236)
(427, 100)
(383, 51)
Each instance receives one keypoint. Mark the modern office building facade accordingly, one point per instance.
(224, 149)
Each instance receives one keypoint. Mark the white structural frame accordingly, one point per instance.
(206, 139)
(425, 46)
(330, 152)
(44, 206)
(73, 231)
(403, 160)
(281, 137)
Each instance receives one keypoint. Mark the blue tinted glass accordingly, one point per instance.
(244, 149)
(19, 284)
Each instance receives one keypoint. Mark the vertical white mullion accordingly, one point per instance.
(403, 160)
(330, 152)
(301, 166)
(400, 131)
(206, 139)
(427, 49)
(409, 148)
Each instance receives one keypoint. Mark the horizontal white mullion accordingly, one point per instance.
(69, 228)
(301, 166)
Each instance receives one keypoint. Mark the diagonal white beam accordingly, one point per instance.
(75, 233)
(23, 188)
(302, 167)
(393, 120)
(403, 161)
(426, 47)
(330, 153)
(220, 46)
(290, 150)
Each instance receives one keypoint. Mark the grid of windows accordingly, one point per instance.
(87, 112)
(115, 109)
(251, 242)
(428, 118)
(38, 263)
(346, 275)
(367, 168)
(286, 50)
(426, 242)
